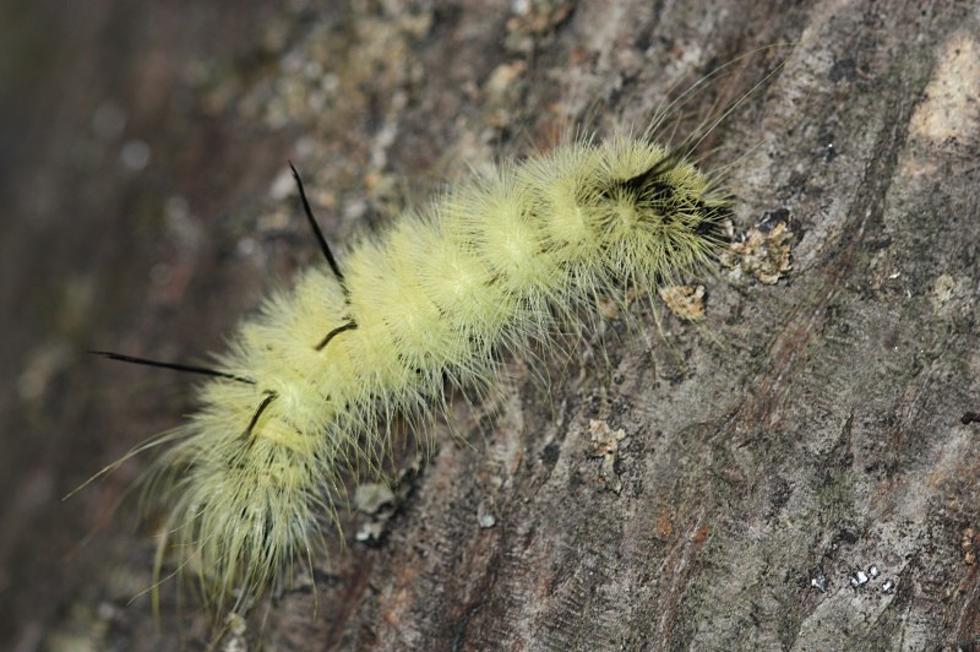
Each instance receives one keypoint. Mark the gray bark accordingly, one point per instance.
(799, 472)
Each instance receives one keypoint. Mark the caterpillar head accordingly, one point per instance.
(657, 213)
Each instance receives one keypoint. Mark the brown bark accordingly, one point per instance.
(812, 429)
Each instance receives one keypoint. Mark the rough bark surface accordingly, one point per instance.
(800, 472)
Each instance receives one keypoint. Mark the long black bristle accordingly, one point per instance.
(658, 170)
(324, 247)
(337, 331)
(270, 397)
(176, 366)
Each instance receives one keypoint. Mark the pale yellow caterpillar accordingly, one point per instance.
(304, 398)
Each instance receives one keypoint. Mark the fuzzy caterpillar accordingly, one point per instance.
(304, 397)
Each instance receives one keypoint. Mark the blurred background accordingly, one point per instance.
(114, 177)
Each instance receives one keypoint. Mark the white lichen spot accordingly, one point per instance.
(605, 445)
(108, 121)
(860, 578)
(503, 81)
(236, 627)
(952, 106)
(685, 301)
(283, 185)
(819, 582)
(135, 155)
(371, 497)
(968, 545)
(764, 254)
(370, 531)
(43, 365)
(943, 288)
(484, 516)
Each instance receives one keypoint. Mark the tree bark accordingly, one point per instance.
(799, 471)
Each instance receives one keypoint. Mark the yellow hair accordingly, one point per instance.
(496, 263)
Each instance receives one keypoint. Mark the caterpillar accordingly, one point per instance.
(305, 397)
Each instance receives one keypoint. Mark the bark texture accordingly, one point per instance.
(798, 473)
